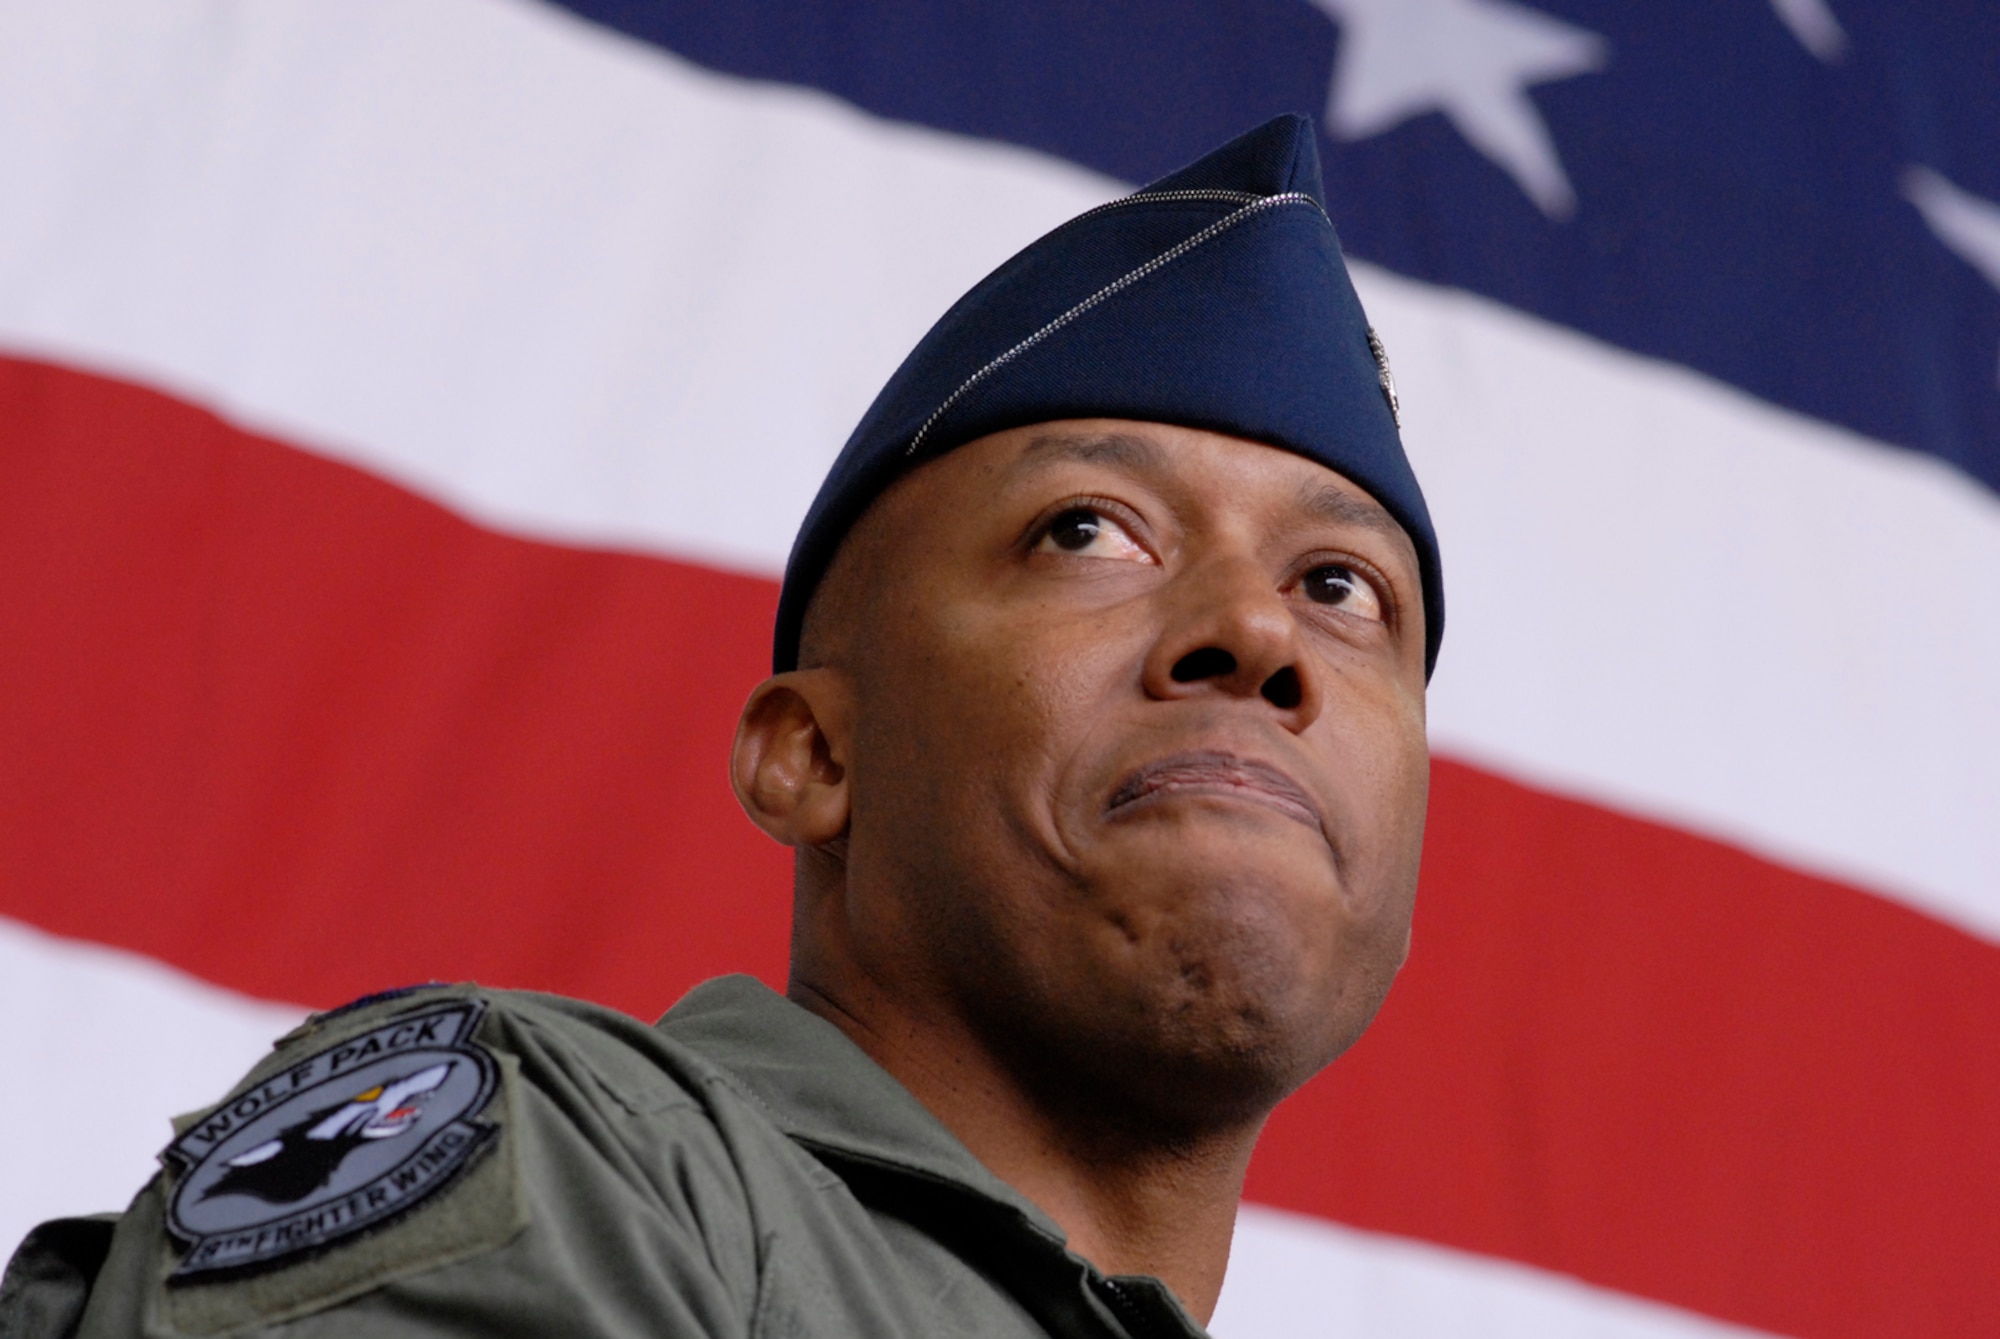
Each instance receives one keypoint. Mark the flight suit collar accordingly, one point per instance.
(825, 1092)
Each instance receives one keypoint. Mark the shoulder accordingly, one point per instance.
(456, 1145)
(366, 1112)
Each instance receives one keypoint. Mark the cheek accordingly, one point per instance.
(1029, 688)
(967, 737)
(1380, 770)
(1381, 883)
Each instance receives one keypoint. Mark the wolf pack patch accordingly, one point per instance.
(340, 1142)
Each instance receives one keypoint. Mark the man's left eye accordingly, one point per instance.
(1341, 586)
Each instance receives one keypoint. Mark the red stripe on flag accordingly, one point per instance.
(283, 725)
(1656, 1062)
(286, 726)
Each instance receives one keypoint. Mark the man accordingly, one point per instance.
(1097, 728)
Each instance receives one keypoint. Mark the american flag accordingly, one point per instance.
(406, 407)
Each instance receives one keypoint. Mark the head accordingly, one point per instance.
(1098, 723)
(1108, 747)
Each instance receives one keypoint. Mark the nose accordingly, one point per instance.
(1229, 630)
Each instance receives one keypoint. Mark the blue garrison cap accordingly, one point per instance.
(1214, 298)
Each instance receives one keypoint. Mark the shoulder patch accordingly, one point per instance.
(346, 1139)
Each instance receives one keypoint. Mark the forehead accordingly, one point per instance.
(1205, 465)
(956, 511)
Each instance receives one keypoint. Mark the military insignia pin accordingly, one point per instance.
(340, 1142)
(1384, 377)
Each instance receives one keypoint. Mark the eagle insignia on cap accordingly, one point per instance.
(1385, 376)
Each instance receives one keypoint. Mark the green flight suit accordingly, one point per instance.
(741, 1169)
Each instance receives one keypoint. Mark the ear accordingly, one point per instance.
(789, 762)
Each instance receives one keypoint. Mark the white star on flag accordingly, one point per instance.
(1815, 26)
(1967, 224)
(1473, 60)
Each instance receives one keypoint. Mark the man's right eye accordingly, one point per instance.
(1089, 532)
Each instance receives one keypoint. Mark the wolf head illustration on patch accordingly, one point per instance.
(305, 1156)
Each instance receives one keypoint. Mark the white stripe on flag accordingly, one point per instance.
(1295, 1277)
(568, 284)
(112, 1041)
(100, 1048)
(1668, 596)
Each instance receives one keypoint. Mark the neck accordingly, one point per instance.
(1131, 1199)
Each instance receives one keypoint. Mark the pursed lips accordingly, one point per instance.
(1208, 772)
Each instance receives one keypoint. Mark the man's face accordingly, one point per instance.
(1137, 763)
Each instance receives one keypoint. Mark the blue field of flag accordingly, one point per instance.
(1799, 197)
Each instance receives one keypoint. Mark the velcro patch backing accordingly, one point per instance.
(381, 1154)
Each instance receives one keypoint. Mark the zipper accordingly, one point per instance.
(1247, 205)
(1176, 197)
(1137, 1324)
(1153, 197)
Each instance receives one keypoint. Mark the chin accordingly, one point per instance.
(1228, 988)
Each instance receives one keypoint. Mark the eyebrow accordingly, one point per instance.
(1111, 448)
(1333, 504)
(1326, 502)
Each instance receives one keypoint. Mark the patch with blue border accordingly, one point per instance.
(346, 1139)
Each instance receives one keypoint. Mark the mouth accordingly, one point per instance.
(1223, 775)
